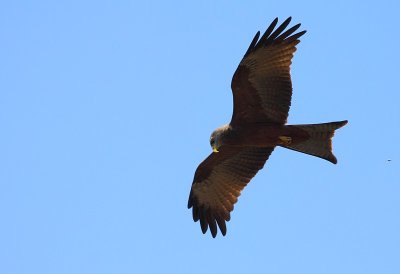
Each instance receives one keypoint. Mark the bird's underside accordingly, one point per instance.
(264, 135)
(262, 91)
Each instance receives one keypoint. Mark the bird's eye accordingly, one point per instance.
(212, 141)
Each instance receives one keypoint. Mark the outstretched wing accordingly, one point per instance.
(261, 85)
(218, 181)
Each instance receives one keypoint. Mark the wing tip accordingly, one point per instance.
(209, 220)
(287, 20)
(272, 35)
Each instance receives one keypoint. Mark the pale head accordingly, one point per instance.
(217, 137)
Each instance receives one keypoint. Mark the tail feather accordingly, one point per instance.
(320, 142)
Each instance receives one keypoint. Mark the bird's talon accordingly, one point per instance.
(285, 140)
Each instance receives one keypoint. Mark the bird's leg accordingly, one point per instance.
(284, 140)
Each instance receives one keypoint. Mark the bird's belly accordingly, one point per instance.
(264, 136)
(267, 135)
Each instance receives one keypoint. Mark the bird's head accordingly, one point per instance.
(217, 137)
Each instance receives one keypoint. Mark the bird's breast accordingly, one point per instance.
(256, 135)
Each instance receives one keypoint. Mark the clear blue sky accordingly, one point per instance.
(106, 108)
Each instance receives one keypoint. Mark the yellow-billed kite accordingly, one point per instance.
(262, 92)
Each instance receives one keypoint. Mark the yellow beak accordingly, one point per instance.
(215, 149)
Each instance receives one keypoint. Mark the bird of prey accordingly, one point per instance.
(262, 92)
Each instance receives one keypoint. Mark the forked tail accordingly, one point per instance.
(320, 142)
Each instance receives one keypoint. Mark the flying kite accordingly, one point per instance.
(262, 92)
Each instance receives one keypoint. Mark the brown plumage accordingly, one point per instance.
(262, 92)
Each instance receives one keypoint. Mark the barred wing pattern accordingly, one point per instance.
(218, 182)
(261, 85)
